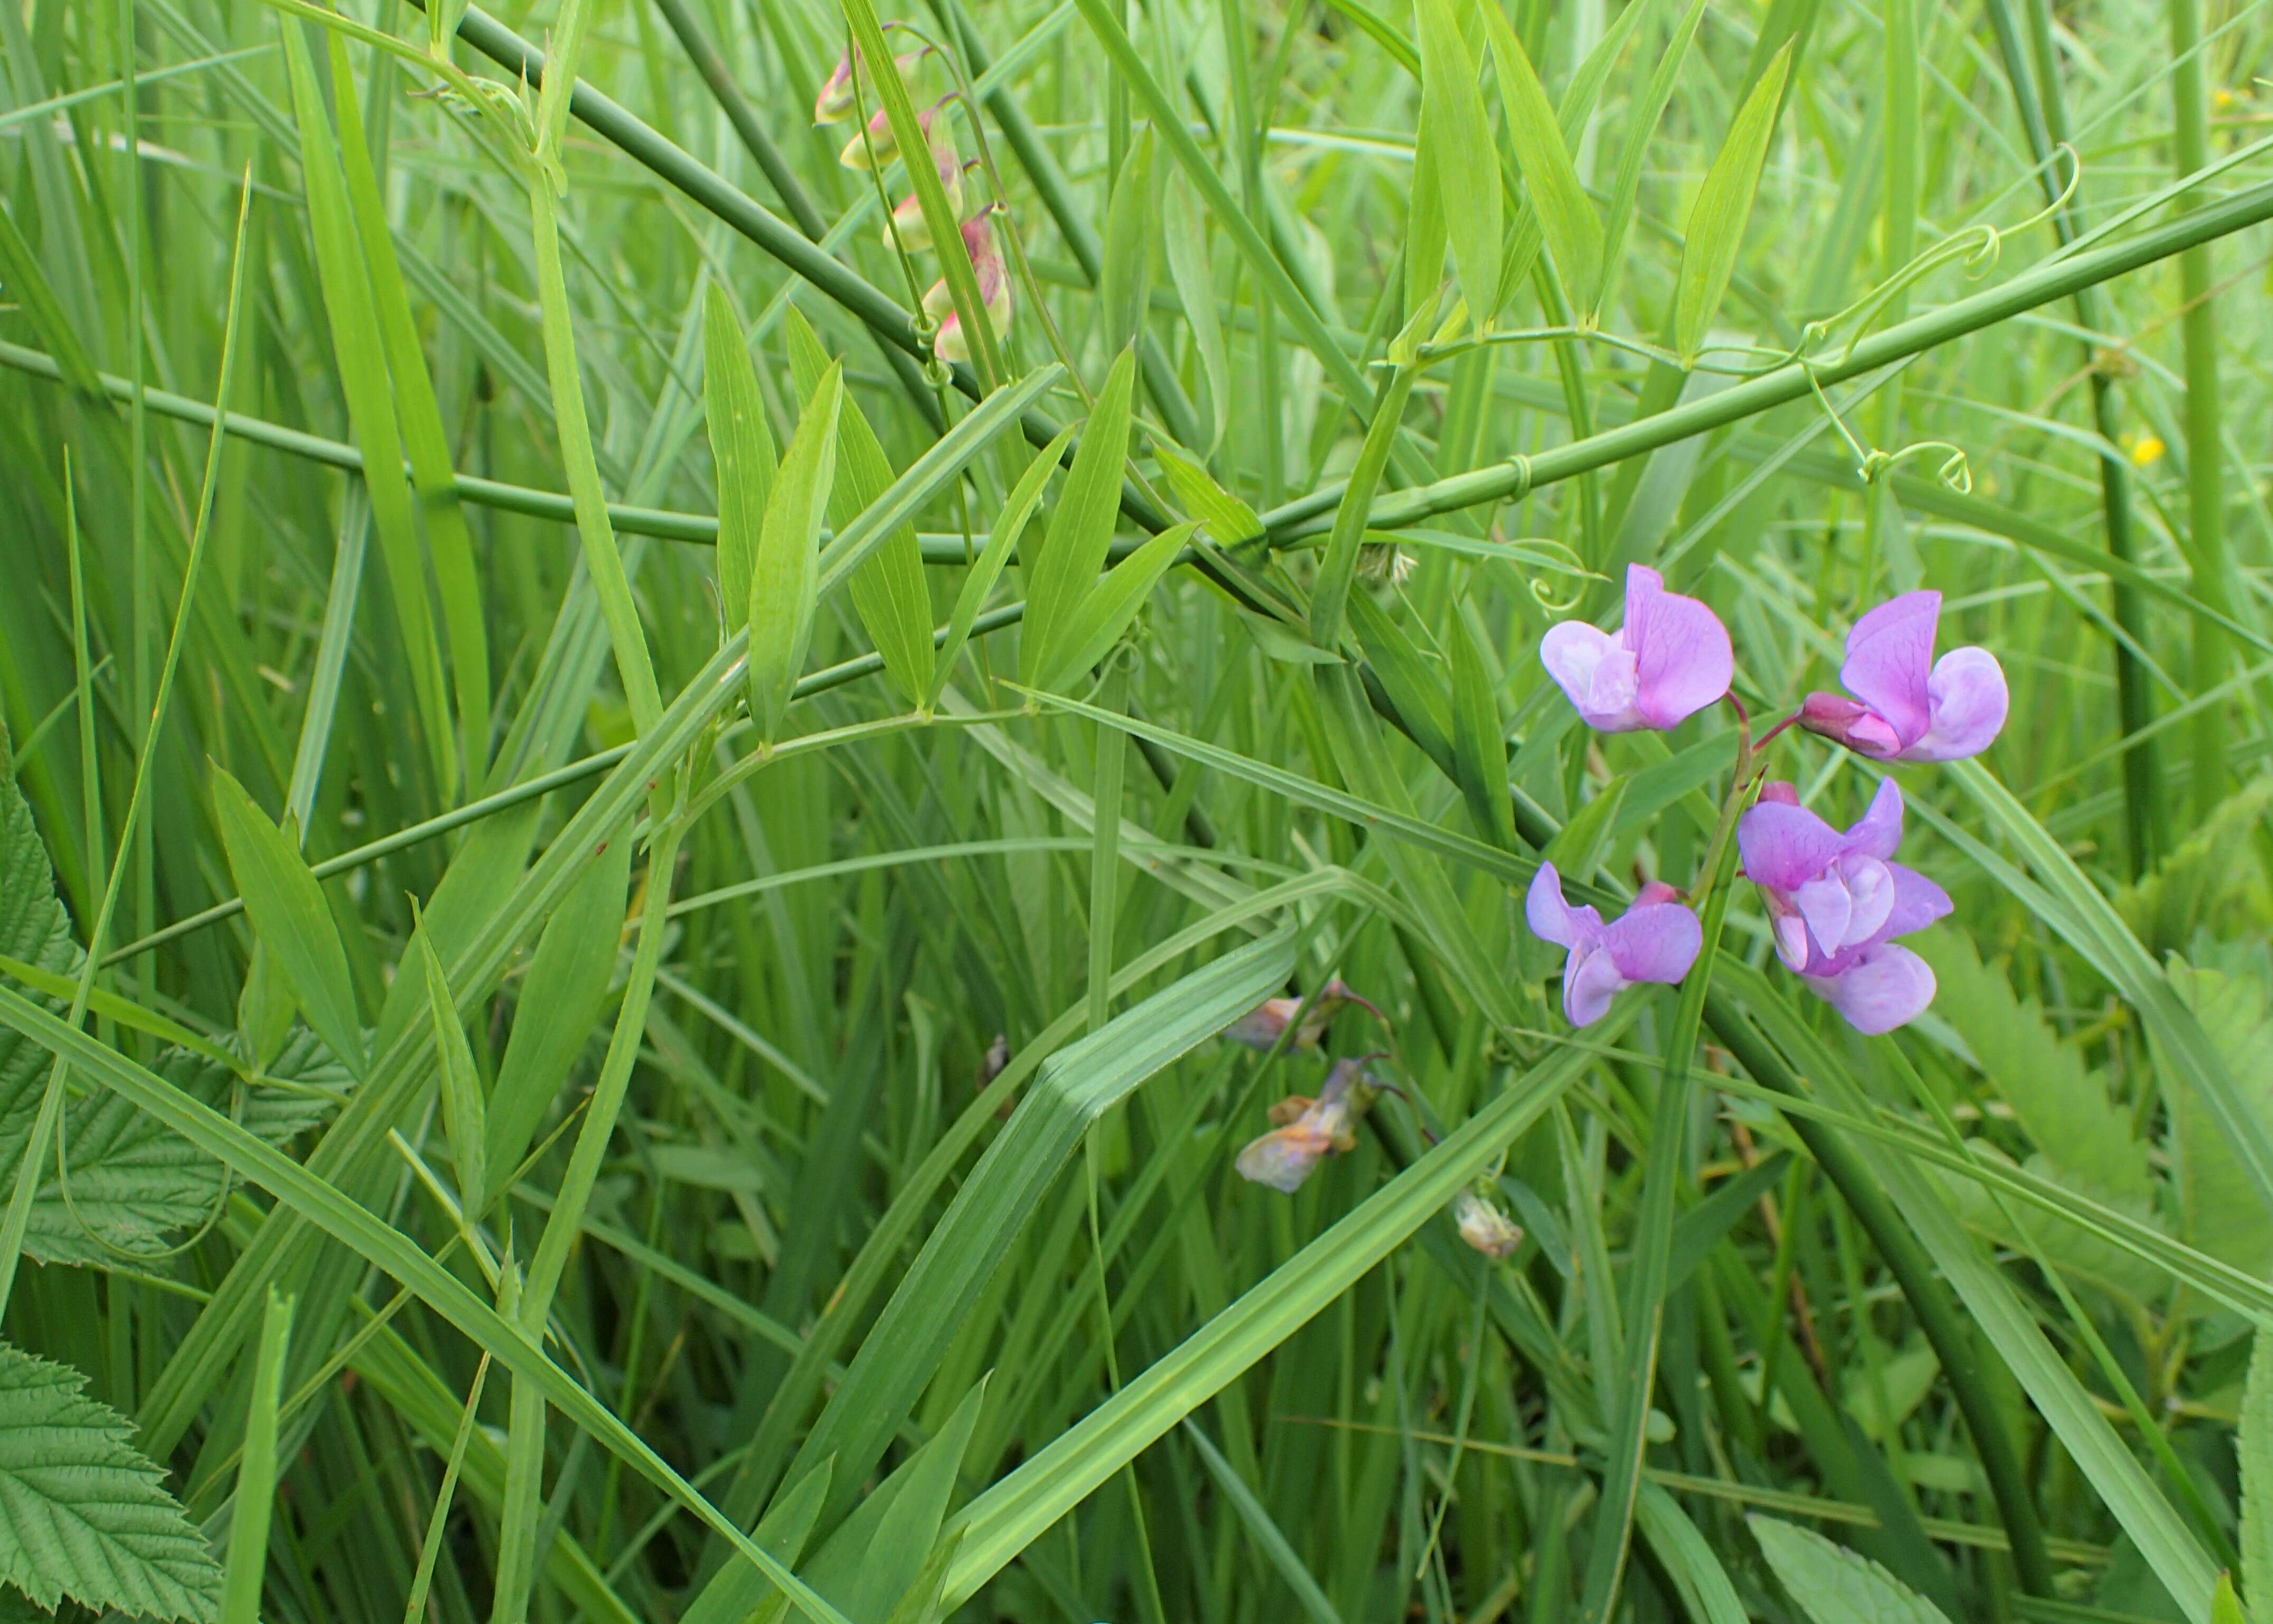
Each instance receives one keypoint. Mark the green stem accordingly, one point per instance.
(2205, 457)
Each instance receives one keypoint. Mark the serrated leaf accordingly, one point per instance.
(742, 446)
(286, 908)
(2222, 1215)
(85, 1514)
(1724, 205)
(2200, 886)
(2254, 1449)
(1567, 220)
(133, 1182)
(2063, 1109)
(1466, 157)
(1834, 1585)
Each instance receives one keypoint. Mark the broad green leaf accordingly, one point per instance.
(1229, 521)
(1184, 237)
(738, 1591)
(1131, 225)
(2222, 1214)
(88, 1517)
(286, 908)
(1096, 625)
(889, 590)
(1073, 1088)
(465, 1113)
(2254, 1450)
(2199, 886)
(785, 575)
(1466, 154)
(1567, 220)
(877, 1553)
(1002, 541)
(1835, 1586)
(1073, 550)
(256, 1472)
(1724, 204)
(742, 449)
(561, 1001)
(135, 1184)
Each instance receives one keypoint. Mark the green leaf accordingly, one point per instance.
(1427, 232)
(742, 446)
(1126, 287)
(286, 905)
(1002, 541)
(256, 1471)
(1016, 1511)
(1724, 204)
(1112, 604)
(1684, 1554)
(1227, 520)
(1260, 1528)
(2254, 1449)
(1073, 547)
(87, 1514)
(879, 1552)
(738, 1591)
(1073, 1088)
(1330, 594)
(1414, 687)
(2222, 1215)
(358, 350)
(785, 575)
(561, 1002)
(1184, 237)
(1835, 1586)
(1479, 741)
(1466, 154)
(1567, 220)
(2224, 1605)
(465, 1113)
(887, 587)
(2199, 886)
(1640, 128)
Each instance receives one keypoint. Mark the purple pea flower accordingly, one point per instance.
(1835, 899)
(1308, 1131)
(1909, 706)
(1655, 940)
(1668, 660)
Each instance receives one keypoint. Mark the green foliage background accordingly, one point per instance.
(495, 1110)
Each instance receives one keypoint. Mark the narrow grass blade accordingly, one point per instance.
(1002, 541)
(785, 574)
(1723, 206)
(1464, 152)
(1567, 220)
(256, 1472)
(742, 450)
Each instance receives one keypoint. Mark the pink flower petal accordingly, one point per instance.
(1967, 702)
(1282, 1158)
(1878, 832)
(1590, 981)
(1918, 902)
(1886, 987)
(1682, 656)
(1596, 671)
(1549, 917)
(1655, 942)
(1889, 656)
(1785, 847)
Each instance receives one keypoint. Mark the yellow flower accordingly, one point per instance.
(2146, 449)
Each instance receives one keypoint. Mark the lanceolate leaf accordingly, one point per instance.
(1060, 572)
(287, 909)
(83, 1515)
(1112, 604)
(1465, 156)
(1834, 1586)
(1566, 217)
(1724, 204)
(742, 449)
(785, 575)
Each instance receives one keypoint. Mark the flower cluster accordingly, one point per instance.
(1835, 901)
(874, 147)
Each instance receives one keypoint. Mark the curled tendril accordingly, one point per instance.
(1542, 593)
(1956, 470)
